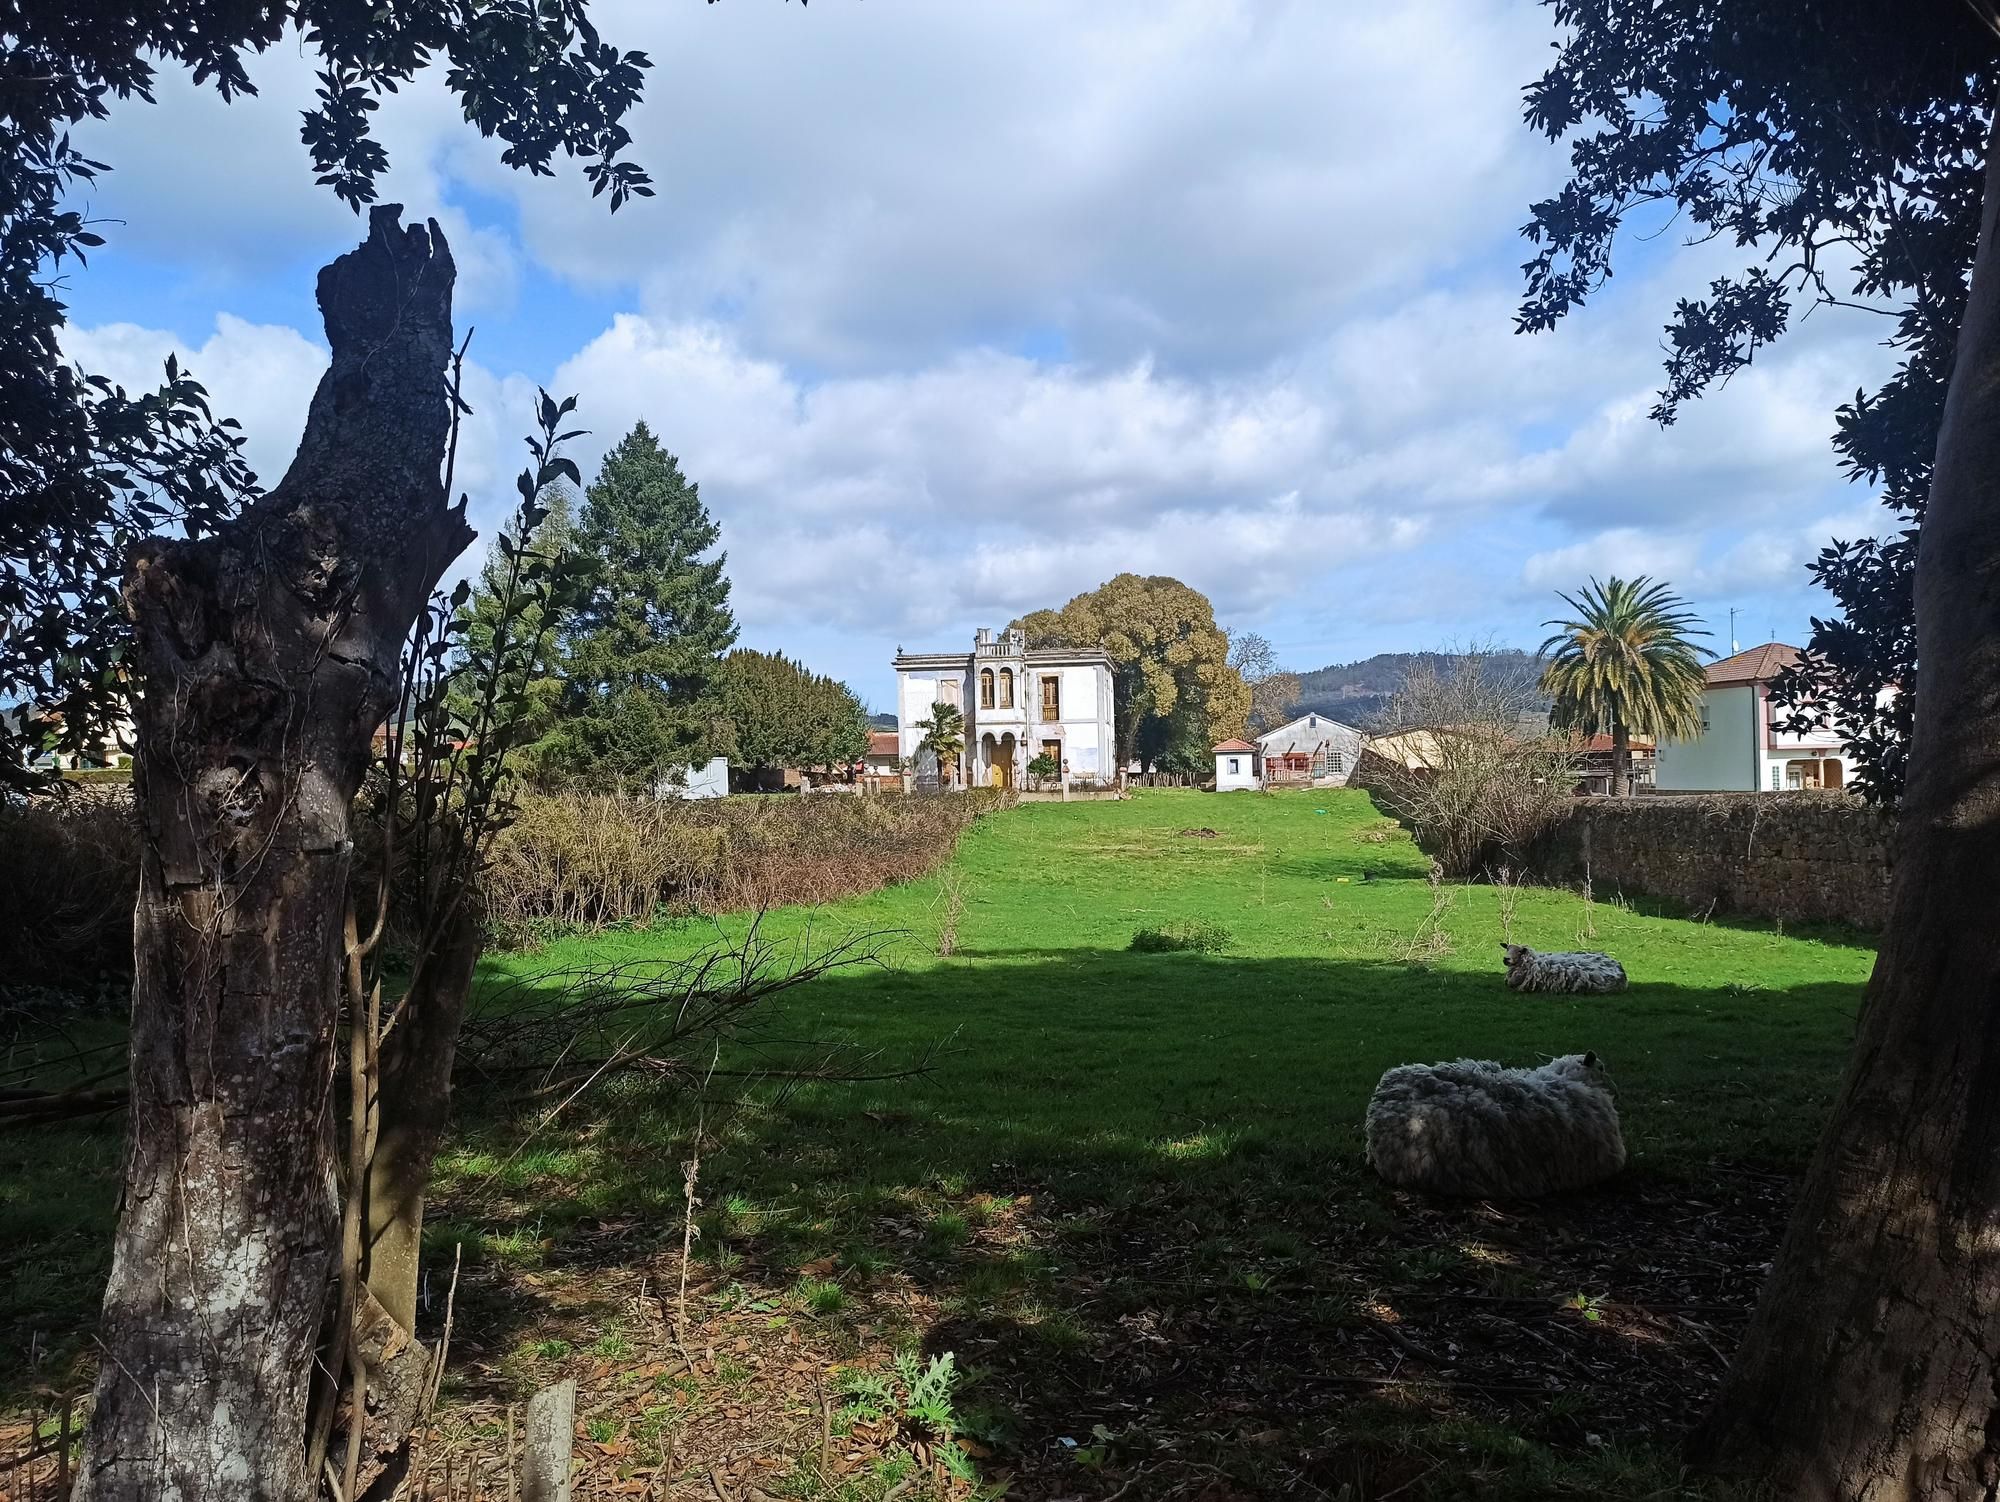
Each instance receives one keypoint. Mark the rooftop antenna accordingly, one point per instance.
(1733, 613)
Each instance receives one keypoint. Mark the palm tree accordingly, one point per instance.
(1625, 665)
(944, 737)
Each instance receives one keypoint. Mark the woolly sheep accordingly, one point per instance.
(1581, 974)
(1481, 1130)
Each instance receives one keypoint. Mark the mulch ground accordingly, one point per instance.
(1362, 1359)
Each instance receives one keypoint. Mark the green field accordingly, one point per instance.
(1126, 1191)
(1066, 1048)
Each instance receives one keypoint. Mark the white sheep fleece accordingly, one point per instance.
(1575, 974)
(1480, 1130)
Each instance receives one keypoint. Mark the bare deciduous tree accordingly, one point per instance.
(1468, 763)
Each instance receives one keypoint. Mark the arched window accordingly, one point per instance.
(1006, 688)
(986, 688)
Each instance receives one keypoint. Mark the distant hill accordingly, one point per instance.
(883, 721)
(1358, 693)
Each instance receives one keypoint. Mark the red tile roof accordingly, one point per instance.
(884, 743)
(1758, 665)
(1233, 746)
(1603, 743)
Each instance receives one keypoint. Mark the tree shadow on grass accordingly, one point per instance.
(1130, 1201)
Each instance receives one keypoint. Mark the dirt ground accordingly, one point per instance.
(1419, 1350)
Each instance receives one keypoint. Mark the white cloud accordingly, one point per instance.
(1198, 179)
(263, 375)
(224, 191)
(1000, 483)
(954, 310)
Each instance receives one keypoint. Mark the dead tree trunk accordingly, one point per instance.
(1872, 1369)
(269, 653)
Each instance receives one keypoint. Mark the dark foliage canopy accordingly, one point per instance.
(86, 469)
(1839, 144)
(785, 715)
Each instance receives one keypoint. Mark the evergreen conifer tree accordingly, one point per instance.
(649, 627)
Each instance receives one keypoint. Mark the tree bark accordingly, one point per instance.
(269, 654)
(1872, 1368)
(1621, 760)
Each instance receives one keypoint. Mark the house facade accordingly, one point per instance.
(1237, 769)
(1742, 747)
(1594, 764)
(1311, 751)
(885, 754)
(1018, 702)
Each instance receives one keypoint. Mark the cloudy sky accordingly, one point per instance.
(954, 310)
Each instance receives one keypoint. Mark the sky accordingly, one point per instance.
(954, 311)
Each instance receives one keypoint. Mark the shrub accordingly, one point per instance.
(1475, 785)
(69, 867)
(69, 873)
(585, 860)
(1196, 934)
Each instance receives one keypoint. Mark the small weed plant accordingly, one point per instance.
(919, 1396)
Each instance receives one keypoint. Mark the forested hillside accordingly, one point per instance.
(1359, 693)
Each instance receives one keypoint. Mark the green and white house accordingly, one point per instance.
(1743, 746)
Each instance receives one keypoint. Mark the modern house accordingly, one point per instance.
(1742, 746)
(1236, 767)
(1019, 703)
(1311, 751)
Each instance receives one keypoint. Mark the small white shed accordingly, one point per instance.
(708, 781)
(1236, 767)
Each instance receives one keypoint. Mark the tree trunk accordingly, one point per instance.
(1872, 1368)
(269, 654)
(1621, 760)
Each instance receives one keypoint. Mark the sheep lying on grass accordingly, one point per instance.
(1575, 974)
(1478, 1129)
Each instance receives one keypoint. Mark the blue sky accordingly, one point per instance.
(956, 310)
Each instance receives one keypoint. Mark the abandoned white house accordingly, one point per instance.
(1312, 750)
(1019, 703)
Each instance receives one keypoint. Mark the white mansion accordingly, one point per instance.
(1019, 703)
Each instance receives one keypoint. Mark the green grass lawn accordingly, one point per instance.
(1127, 1191)
(1110, 1142)
(1065, 1047)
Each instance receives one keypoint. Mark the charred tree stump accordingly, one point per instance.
(269, 654)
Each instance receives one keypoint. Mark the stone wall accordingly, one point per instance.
(1796, 857)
